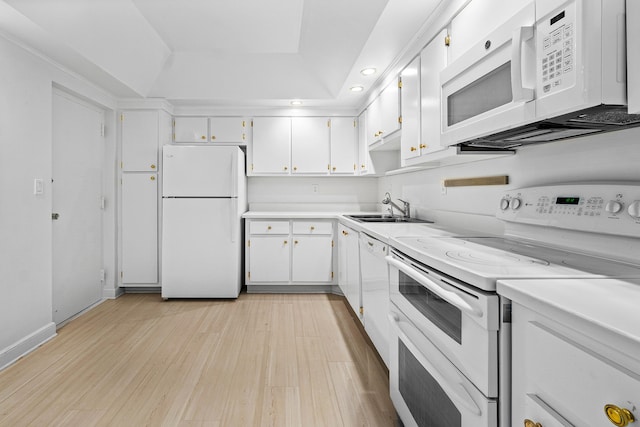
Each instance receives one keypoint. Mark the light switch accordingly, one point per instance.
(38, 187)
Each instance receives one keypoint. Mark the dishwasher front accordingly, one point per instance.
(374, 277)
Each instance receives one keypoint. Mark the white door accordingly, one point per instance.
(271, 152)
(190, 129)
(228, 129)
(310, 144)
(343, 145)
(140, 132)
(76, 200)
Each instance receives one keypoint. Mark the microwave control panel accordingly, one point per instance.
(599, 208)
(556, 50)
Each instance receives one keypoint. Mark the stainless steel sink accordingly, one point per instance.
(386, 218)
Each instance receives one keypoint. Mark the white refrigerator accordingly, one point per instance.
(203, 199)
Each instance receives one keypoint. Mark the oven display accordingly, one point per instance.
(445, 316)
(567, 200)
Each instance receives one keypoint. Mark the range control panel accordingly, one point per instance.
(598, 208)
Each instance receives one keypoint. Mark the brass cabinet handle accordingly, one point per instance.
(362, 166)
(295, 168)
(203, 137)
(312, 228)
(380, 132)
(344, 233)
(268, 227)
(286, 168)
(529, 423)
(153, 166)
(618, 416)
(413, 148)
(213, 137)
(423, 146)
(334, 168)
(153, 178)
(295, 242)
(285, 242)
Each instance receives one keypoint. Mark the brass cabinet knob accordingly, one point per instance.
(295, 168)
(153, 166)
(334, 168)
(286, 168)
(203, 137)
(618, 416)
(285, 242)
(376, 134)
(380, 132)
(295, 242)
(423, 145)
(413, 148)
(344, 233)
(153, 178)
(213, 137)
(268, 227)
(312, 228)
(529, 423)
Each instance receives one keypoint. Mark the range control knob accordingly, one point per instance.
(504, 204)
(516, 202)
(634, 209)
(613, 207)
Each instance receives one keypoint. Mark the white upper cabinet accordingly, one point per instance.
(271, 148)
(228, 130)
(343, 146)
(433, 60)
(410, 144)
(383, 115)
(140, 140)
(190, 129)
(477, 19)
(310, 145)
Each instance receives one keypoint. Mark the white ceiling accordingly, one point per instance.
(222, 52)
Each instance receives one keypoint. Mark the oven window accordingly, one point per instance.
(445, 316)
(428, 403)
(488, 92)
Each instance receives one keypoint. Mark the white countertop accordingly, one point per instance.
(604, 309)
(380, 231)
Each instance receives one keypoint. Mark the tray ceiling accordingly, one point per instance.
(225, 52)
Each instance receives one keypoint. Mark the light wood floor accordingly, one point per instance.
(262, 360)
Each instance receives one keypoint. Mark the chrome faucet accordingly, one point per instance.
(404, 210)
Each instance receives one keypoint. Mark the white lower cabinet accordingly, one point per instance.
(289, 252)
(349, 267)
(139, 220)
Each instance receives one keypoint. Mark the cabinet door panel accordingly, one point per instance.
(390, 103)
(410, 143)
(139, 140)
(271, 145)
(269, 259)
(343, 145)
(312, 259)
(190, 129)
(139, 228)
(433, 60)
(310, 145)
(227, 129)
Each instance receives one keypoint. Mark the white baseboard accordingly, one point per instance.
(112, 293)
(26, 345)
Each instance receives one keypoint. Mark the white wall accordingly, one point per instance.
(324, 194)
(26, 84)
(606, 157)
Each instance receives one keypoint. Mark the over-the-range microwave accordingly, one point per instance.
(554, 70)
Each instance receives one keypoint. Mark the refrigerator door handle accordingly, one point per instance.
(233, 218)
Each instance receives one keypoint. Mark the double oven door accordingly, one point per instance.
(444, 347)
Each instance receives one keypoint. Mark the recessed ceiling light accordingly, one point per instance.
(356, 88)
(368, 71)
(296, 103)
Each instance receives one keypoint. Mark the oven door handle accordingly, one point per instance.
(444, 382)
(451, 297)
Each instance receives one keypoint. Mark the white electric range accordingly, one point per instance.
(452, 331)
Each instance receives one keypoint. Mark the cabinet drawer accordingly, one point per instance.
(312, 227)
(269, 227)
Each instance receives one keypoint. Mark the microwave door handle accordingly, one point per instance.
(446, 384)
(520, 93)
(451, 297)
